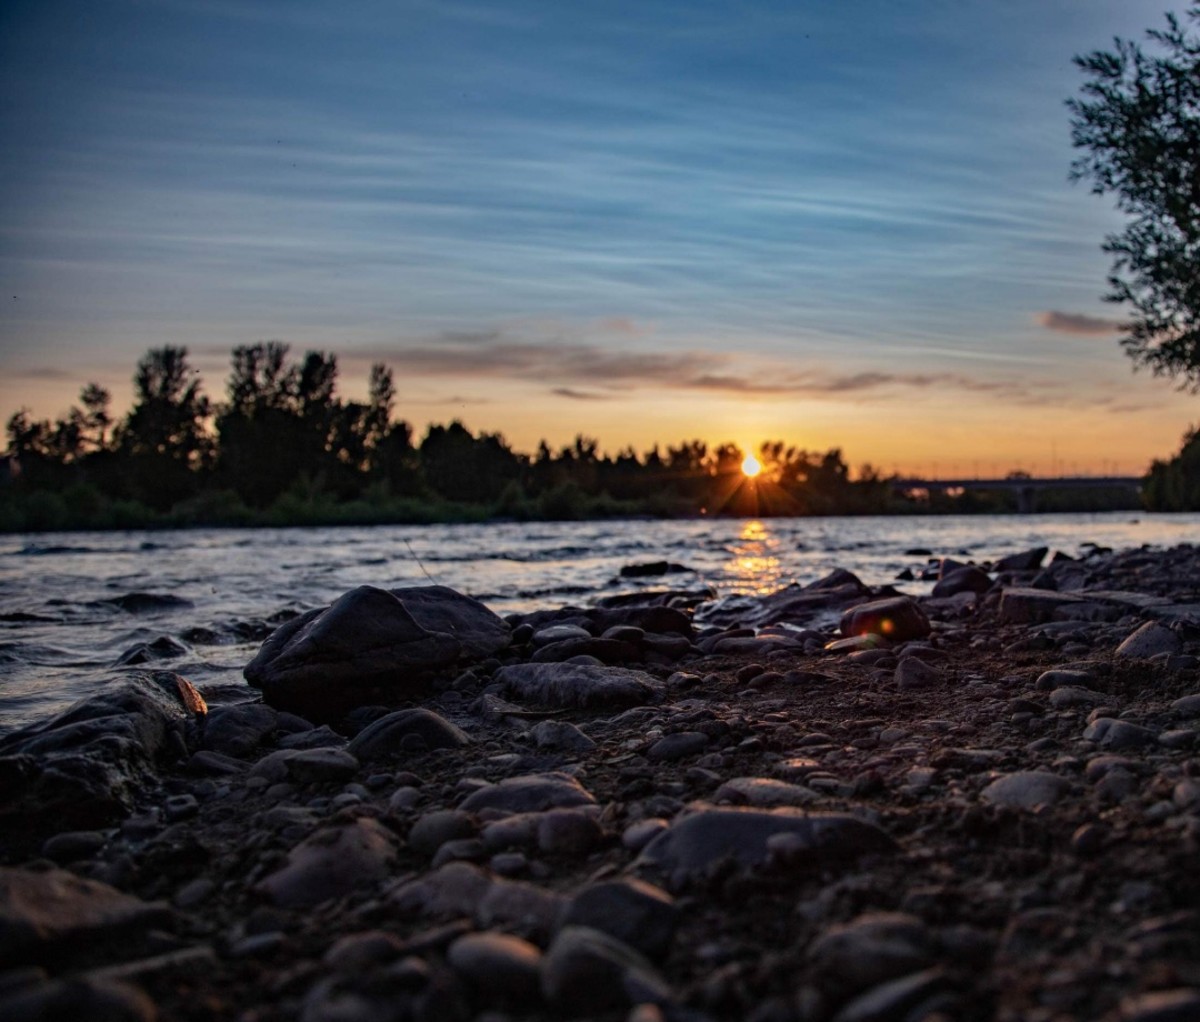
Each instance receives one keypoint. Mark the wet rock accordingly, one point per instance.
(327, 661)
(1026, 789)
(332, 863)
(48, 914)
(530, 793)
(607, 651)
(633, 911)
(162, 648)
(501, 968)
(581, 686)
(87, 766)
(148, 603)
(586, 971)
(1151, 639)
(896, 618)
(650, 569)
(794, 604)
(239, 730)
(394, 735)
(558, 633)
(696, 842)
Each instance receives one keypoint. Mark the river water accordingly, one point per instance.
(71, 613)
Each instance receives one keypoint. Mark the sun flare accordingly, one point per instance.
(751, 466)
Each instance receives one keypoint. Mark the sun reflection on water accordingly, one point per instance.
(754, 566)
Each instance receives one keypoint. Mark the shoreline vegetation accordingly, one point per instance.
(284, 450)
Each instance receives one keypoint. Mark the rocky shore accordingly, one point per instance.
(830, 804)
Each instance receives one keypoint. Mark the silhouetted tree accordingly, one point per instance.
(461, 467)
(1138, 121)
(164, 438)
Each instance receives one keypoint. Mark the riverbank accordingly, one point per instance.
(756, 807)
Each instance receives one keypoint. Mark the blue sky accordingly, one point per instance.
(835, 221)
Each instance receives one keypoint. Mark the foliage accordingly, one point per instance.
(1174, 485)
(1138, 123)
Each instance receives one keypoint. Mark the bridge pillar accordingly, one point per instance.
(1026, 500)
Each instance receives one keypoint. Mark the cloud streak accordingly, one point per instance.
(1079, 324)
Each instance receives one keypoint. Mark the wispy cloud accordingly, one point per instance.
(1079, 324)
(578, 395)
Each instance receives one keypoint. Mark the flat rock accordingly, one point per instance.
(896, 618)
(1026, 789)
(562, 735)
(1021, 605)
(913, 673)
(1111, 733)
(239, 730)
(529, 793)
(1026, 560)
(327, 661)
(306, 765)
(332, 863)
(43, 913)
(698, 841)
(581, 686)
(398, 732)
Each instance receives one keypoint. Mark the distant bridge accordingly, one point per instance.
(1026, 488)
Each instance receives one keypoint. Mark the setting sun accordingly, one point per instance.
(751, 466)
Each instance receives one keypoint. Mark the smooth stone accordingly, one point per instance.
(892, 1000)
(638, 835)
(871, 949)
(579, 686)
(73, 844)
(386, 736)
(1061, 677)
(568, 832)
(637, 913)
(434, 829)
(1151, 639)
(1068, 696)
(306, 766)
(763, 792)
(559, 633)
(696, 842)
(606, 651)
(529, 793)
(896, 618)
(358, 951)
(1110, 733)
(1187, 705)
(561, 734)
(498, 965)
(44, 911)
(964, 579)
(677, 746)
(1179, 1005)
(325, 662)
(1026, 789)
(79, 999)
(914, 673)
(587, 971)
(332, 863)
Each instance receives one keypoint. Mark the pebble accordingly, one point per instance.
(1151, 639)
(561, 734)
(332, 863)
(637, 913)
(586, 972)
(502, 968)
(529, 793)
(1026, 789)
(434, 829)
(1111, 733)
(677, 746)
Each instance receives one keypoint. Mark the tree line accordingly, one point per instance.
(284, 448)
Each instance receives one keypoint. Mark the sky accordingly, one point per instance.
(840, 223)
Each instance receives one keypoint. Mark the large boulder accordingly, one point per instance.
(371, 643)
(85, 767)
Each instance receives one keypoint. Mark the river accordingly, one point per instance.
(71, 613)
